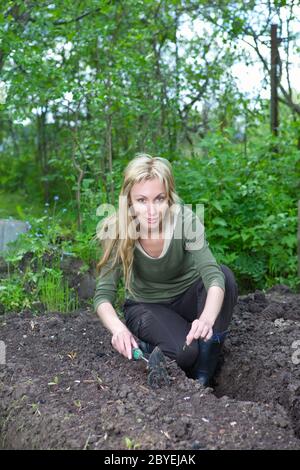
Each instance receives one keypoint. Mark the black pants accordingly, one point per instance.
(166, 324)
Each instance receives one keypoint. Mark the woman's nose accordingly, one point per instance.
(151, 210)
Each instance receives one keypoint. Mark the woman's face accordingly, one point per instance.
(150, 203)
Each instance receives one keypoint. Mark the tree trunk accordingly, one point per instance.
(42, 153)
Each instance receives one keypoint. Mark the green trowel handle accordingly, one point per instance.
(137, 354)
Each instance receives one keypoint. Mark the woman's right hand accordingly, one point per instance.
(123, 341)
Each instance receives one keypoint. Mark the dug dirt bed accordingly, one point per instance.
(64, 387)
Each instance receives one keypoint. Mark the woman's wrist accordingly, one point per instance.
(213, 305)
(118, 327)
(208, 318)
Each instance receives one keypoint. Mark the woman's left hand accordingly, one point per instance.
(201, 328)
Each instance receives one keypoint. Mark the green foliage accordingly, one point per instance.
(92, 83)
(30, 289)
(13, 296)
(46, 241)
(44, 235)
(17, 205)
(250, 206)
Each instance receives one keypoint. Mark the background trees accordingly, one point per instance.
(91, 83)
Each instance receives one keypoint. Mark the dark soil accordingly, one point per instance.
(64, 386)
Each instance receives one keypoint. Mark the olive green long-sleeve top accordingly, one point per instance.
(185, 258)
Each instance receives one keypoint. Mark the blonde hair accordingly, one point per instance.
(141, 168)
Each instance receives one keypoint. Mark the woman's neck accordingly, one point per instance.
(152, 236)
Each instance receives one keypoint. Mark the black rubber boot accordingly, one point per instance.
(209, 354)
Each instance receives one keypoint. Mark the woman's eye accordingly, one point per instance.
(159, 199)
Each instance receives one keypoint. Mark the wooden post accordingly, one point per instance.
(274, 80)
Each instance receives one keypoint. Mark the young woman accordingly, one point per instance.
(176, 295)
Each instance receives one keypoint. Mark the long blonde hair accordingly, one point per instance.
(142, 167)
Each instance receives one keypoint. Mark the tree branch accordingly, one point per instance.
(288, 100)
(78, 18)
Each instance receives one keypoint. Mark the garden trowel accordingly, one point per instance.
(156, 366)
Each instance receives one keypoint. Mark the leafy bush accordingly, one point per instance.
(13, 296)
(250, 207)
(46, 242)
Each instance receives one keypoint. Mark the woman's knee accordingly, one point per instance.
(231, 287)
(187, 357)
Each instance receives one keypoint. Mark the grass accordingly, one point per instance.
(16, 205)
(55, 293)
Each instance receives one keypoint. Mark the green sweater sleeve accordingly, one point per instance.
(107, 283)
(195, 242)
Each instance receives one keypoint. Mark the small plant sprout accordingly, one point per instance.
(78, 404)
(54, 382)
(35, 408)
(131, 444)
